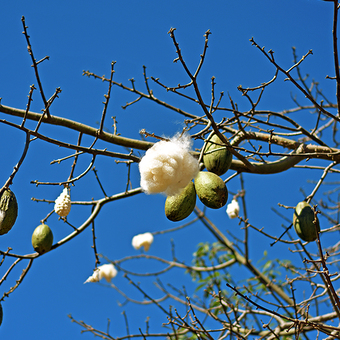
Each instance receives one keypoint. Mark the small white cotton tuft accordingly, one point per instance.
(168, 166)
(95, 277)
(233, 209)
(106, 271)
(62, 204)
(142, 240)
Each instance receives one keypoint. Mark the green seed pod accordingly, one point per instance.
(211, 190)
(217, 157)
(303, 222)
(8, 211)
(180, 206)
(42, 238)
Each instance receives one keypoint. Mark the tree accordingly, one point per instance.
(252, 282)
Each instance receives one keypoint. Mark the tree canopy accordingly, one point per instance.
(250, 249)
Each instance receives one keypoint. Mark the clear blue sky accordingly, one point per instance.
(88, 35)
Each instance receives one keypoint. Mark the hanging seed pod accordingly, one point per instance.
(180, 206)
(8, 211)
(62, 204)
(42, 238)
(217, 157)
(303, 221)
(211, 190)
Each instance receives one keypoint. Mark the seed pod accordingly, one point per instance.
(8, 211)
(211, 190)
(303, 222)
(42, 238)
(180, 206)
(217, 157)
(62, 205)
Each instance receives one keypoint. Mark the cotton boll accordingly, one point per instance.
(233, 209)
(142, 240)
(106, 271)
(168, 166)
(62, 204)
(95, 277)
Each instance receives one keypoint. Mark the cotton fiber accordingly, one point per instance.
(62, 204)
(142, 240)
(233, 209)
(168, 166)
(106, 271)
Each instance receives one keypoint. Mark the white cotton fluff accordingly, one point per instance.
(106, 271)
(142, 240)
(168, 166)
(95, 277)
(233, 209)
(62, 204)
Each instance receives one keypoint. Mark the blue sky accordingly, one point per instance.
(88, 35)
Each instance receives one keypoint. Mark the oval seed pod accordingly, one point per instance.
(303, 221)
(42, 238)
(211, 190)
(217, 157)
(180, 206)
(8, 211)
